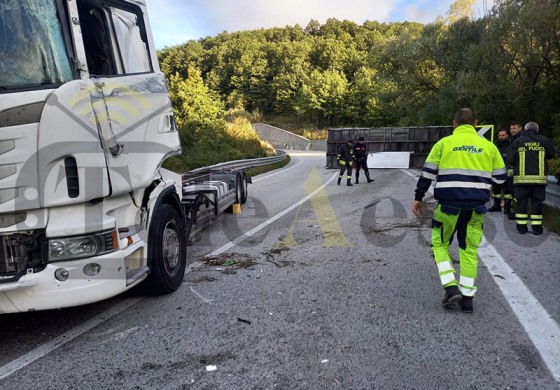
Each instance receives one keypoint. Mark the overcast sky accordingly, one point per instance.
(177, 21)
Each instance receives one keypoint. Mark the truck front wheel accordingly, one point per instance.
(167, 251)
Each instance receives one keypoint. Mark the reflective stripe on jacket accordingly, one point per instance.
(345, 153)
(528, 155)
(464, 166)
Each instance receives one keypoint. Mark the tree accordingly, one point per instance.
(322, 97)
(461, 9)
(199, 113)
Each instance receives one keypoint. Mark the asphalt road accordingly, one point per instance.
(313, 286)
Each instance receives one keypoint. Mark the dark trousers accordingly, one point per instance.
(501, 191)
(509, 184)
(362, 165)
(524, 194)
(348, 169)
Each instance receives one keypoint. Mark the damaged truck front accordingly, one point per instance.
(86, 210)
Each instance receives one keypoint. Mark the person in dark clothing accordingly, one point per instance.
(529, 155)
(502, 191)
(360, 154)
(515, 131)
(345, 159)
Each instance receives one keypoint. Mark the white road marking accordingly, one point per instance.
(46, 348)
(248, 234)
(541, 328)
(543, 331)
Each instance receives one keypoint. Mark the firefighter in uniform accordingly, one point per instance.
(464, 166)
(502, 191)
(345, 159)
(360, 154)
(528, 155)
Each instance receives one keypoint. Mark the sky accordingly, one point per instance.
(177, 21)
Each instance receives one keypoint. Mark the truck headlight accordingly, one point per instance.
(82, 246)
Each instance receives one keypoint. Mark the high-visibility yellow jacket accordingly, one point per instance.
(464, 166)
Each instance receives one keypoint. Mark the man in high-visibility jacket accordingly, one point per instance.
(528, 155)
(464, 166)
(345, 159)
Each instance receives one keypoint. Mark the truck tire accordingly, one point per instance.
(167, 251)
(238, 187)
(244, 188)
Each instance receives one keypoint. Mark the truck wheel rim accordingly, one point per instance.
(171, 248)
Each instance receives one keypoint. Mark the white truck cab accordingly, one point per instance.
(86, 210)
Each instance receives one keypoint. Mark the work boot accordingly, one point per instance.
(369, 180)
(338, 181)
(537, 230)
(452, 296)
(507, 206)
(357, 181)
(496, 206)
(522, 229)
(467, 304)
(349, 183)
(511, 216)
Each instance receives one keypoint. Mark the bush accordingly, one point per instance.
(554, 167)
(237, 142)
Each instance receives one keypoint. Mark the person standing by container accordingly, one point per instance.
(465, 166)
(345, 160)
(360, 154)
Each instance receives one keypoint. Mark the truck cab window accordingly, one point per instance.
(97, 39)
(114, 40)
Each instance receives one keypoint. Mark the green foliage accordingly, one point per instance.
(207, 138)
(199, 115)
(315, 134)
(238, 142)
(554, 166)
(551, 218)
(505, 64)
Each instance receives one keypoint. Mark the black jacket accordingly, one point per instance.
(528, 155)
(345, 153)
(503, 146)
(360, 152)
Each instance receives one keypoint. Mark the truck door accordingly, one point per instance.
(131, 101)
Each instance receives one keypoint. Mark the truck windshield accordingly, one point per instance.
(32, 51)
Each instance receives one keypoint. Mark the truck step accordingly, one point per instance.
(134, 274)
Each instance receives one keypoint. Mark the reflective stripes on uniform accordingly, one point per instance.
(536, 220)
(522, 219)
(446, 272)
(468, 226)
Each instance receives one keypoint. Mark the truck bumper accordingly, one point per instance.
(42, 291)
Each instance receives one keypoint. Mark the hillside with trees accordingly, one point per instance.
(506, 65)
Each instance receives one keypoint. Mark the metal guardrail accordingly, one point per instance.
(242, 164)
(553, 192)
(552, 189)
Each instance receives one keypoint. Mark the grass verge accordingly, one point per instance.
(551, 218)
